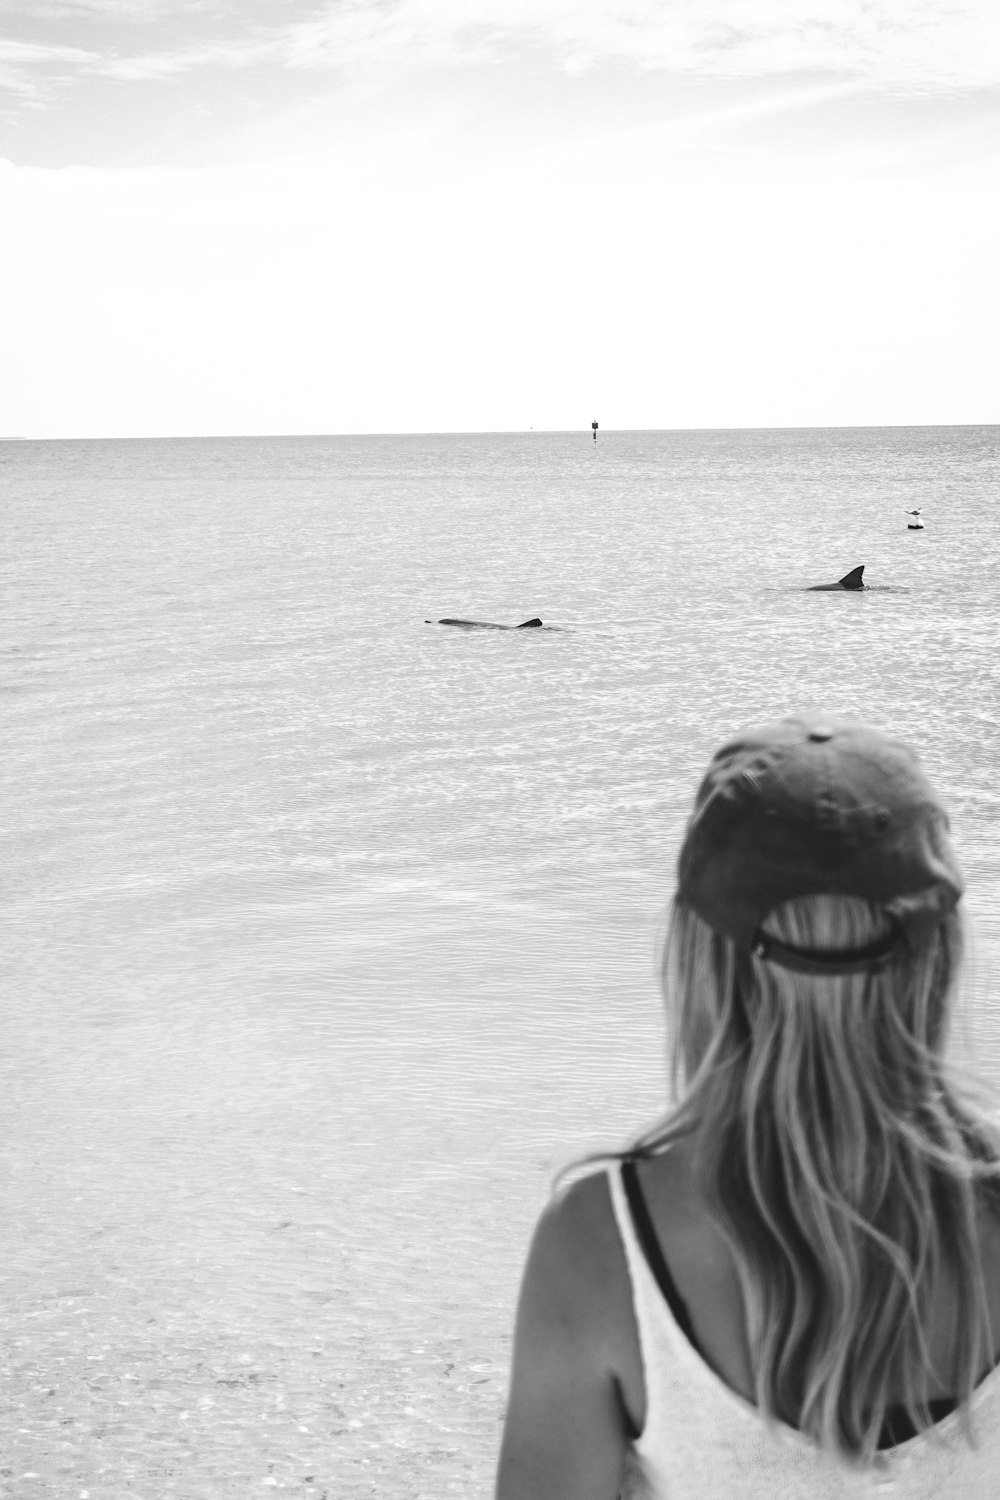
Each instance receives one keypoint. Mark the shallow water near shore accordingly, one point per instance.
(330, 934)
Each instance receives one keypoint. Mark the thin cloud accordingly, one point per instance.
(41, 69)
(220, 56)
(31, 71)
(27, 54)
(918, 43)
(116, 10)
(904, 45)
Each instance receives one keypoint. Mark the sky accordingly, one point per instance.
(489, 215)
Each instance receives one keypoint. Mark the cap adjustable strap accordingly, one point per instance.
(829, 960)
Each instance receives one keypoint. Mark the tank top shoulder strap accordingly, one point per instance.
(630, 1200)
(645, 1234)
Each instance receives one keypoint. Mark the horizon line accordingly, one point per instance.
(587, 431)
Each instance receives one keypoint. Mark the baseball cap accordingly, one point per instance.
(811, 805)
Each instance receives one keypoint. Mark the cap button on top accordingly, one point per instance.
(820, 732)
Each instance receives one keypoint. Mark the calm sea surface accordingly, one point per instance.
(329, 934)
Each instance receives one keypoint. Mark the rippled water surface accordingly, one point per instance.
(329, 934)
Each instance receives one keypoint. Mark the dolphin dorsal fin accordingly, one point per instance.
(527, 624)
(853, 579)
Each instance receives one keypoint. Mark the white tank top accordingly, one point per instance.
(702, 1441)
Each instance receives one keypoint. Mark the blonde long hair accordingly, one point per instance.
(839, 1160)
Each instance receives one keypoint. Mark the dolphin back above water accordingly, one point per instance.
(534, 624)
(851, 580)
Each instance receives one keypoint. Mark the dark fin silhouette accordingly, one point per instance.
(852, 581)
(529, 624)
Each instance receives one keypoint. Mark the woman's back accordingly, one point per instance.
(687, 1382)
(651, 1389)
(701, 1266)
(791, 1285)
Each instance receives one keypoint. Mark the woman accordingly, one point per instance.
(791, 1287)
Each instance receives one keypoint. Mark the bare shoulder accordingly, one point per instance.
(578, 1261)
(576, 1258)
(580, 1221)
(571, 1408)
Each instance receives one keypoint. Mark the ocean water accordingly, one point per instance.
(330, 934)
